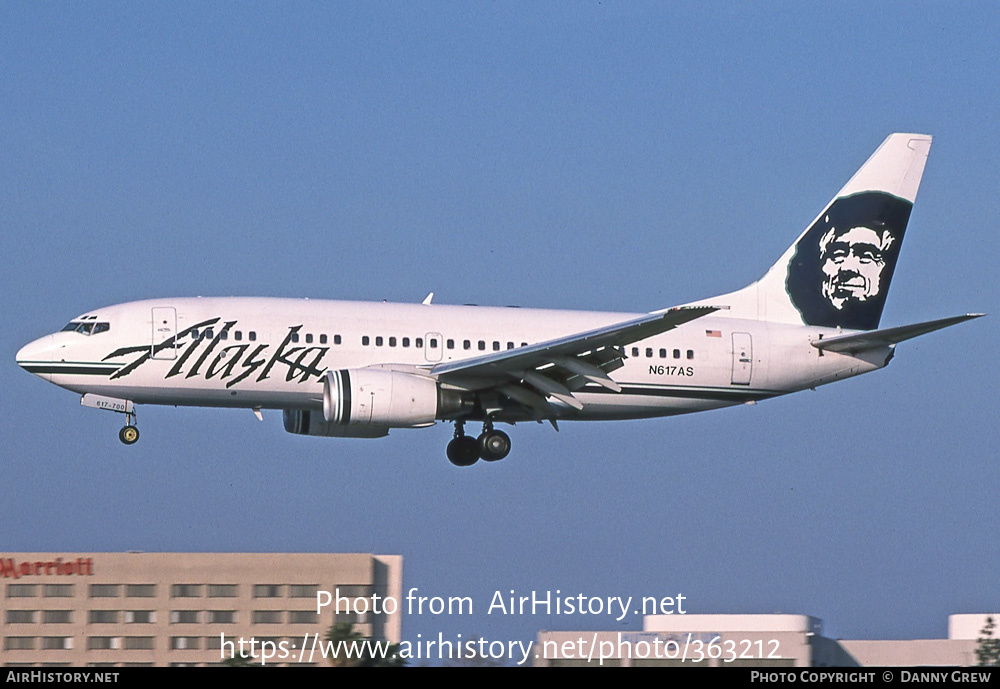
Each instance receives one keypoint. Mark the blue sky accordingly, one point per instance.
(610, 156)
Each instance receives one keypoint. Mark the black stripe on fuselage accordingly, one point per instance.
(60, 369)
(715, 394)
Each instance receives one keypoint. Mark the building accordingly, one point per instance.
(770, 641)
(101, 609)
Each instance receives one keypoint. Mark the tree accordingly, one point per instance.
(342, 635)
(988, 650)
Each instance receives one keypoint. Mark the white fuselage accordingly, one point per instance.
(273, 353)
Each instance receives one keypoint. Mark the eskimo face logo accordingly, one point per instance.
(842, 266)
(852, 263)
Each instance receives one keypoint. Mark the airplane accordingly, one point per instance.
(359, 369)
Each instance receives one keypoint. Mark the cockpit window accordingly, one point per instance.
(90, 328)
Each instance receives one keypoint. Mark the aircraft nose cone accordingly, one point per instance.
(34, 356)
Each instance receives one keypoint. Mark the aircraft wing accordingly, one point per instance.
(556, 368)
(887, 336)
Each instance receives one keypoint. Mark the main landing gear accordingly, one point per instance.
(491, 445)
(129, 434)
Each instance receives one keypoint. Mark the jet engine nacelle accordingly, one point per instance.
(380, 397)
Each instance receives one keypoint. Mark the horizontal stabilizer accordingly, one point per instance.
(887, 336)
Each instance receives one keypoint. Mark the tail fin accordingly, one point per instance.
(837, 273)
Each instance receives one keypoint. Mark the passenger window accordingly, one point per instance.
(238, 335)
(194, 334)
(451, 344)
(510, 345)
(496, 346)
(209, 334)
(482, 345)
(378, 340)
(524, 344)
(635, 351)
(253, 336)
(690, 354)
(336, 339)
(392, 341)
(365, 340)
(466, 344)
(224, 335)
(649, 352)
(295, 337)
(434, 343)
(322, 339)
(406, 342)
(677, 354)
(309, 338)
(663, 354)
(419, 342)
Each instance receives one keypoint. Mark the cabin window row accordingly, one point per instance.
(432, 343)
(663, 353)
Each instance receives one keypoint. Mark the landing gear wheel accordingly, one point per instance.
(463, 451)
(493, 445)
(128, 435)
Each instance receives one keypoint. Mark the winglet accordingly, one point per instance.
(427, 299)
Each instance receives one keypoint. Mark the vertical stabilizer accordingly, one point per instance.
(837, 273)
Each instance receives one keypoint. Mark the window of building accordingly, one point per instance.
(222, 590)
(102, 616)
(221, 616)
(185, 591)
(140, 616)
(266, 617)
(105, 590)
(140, 590)
(180, 643)
(184, 616)
(214, 643)
(57, 616)
(50, 643)
(21, 616)
(103, 643)
(19, 643)
(138, 643)
(302, 617)
(22, 590)
(58, 590)
(302, 590)
(267, 591)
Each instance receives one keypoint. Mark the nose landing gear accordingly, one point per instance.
(129, 434)
(491, 445)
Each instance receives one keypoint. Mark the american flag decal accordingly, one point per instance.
(713, 333)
